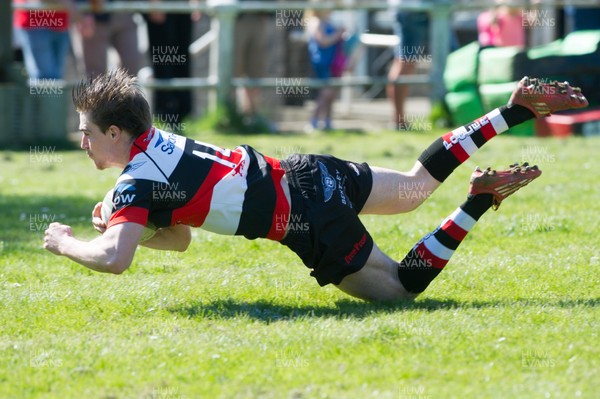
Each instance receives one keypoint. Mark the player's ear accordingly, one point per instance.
(114, 132)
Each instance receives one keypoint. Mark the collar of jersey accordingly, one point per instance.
(141, 142)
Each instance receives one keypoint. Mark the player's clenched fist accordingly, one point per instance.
(54, 235)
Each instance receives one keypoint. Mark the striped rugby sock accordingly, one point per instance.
(452, 149)
(427, 259)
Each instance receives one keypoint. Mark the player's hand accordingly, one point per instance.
(54, 235)
(97, 221)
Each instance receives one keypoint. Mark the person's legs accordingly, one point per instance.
(95, 50)
(323, 98)
(431, 254)
(323, 106)
(174, 31)
(399, 192)
(239, 46)
(124, 40)
(38, 53)
(60, 46)
(412, 30)
(29, 57)
(250, 100)
(396, 192)
(329, 98)
(384, 279)
(318, 108)
(251, 57)
(45, 52)
(378, 280)
(397, 94)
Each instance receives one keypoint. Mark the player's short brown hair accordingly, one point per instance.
(114, 98)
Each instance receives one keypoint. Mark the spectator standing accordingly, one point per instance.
(170, 36)
(325, 48)
(501, 26)
(98, 30)
(250, 58)
(412, 29)
(44, 38)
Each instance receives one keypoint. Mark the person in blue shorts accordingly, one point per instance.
(324, 47)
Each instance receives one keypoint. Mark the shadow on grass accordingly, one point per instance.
(24, 218)
(268, 312)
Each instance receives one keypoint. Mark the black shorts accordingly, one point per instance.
(324, 229)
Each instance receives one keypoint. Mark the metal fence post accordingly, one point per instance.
(7, 90)
(221, 57)
(5, 39)
(440, 47)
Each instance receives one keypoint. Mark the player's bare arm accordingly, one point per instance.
(174, 238)
(112, 252)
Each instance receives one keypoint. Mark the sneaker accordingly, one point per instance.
(543, 98)
(502, 184)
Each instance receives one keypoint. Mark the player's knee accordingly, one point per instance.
(393, 296)
(393, 290)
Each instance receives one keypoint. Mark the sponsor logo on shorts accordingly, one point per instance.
(356, 248)
(341, 183)
(328, 182)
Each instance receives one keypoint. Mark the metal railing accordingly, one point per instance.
(224, 12)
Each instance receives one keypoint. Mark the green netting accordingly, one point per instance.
(496, 64)
(580, 42)
(495, 95)
(524, 129)
(546, 50)
(461, 68)
(464, 106)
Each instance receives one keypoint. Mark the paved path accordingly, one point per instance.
(359, 115)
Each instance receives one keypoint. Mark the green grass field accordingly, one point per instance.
(516, 313)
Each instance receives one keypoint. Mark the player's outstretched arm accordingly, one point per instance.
(174, 238)
(112, 252)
